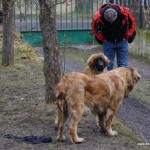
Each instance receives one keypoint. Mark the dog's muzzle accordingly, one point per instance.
(99, 64)
(100, 68)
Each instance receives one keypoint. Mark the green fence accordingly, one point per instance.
(73, 19)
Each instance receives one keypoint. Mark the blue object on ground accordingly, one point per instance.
(32, 139)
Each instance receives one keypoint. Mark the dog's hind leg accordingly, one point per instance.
(60, 120)
(60, 134)
(77, 111)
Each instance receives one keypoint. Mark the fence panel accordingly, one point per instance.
(73, 18)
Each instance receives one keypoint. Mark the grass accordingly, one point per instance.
(144, 57)
(141, 90)
(23, 51)
(124, 131)
(78, 56)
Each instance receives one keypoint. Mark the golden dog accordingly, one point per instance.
(101, 93)
(97, 63)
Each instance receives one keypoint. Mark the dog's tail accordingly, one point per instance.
(61, 88)
(62, 106)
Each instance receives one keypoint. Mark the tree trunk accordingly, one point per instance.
(50, 46)
(8, 33)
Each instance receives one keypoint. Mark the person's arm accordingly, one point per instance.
(99, 37)
(130, 39)
(99, 41)
(130, 32)
(97, 27)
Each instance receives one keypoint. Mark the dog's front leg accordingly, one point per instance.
(109, 118)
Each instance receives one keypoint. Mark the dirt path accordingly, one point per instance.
(136, 115)
(143, 67)
(132, 111)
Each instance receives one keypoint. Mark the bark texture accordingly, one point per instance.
(8, 33)
(50, 46)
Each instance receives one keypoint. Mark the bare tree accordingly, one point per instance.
(8, 33)
(50, 46)
(146, 13)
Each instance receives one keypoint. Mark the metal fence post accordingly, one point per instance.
(141, 13)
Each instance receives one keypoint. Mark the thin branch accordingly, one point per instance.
(57, 2)
(145, 16)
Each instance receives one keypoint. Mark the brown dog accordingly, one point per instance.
(97, 63)
(101, 93)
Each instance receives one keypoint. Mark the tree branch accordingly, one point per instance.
(49, 6)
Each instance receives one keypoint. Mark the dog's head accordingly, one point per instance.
(98, 62)
(133, 77)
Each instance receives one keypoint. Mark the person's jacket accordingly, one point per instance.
(122, 28)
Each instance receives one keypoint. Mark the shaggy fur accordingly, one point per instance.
(92, 68)
(97, 63)
(101, 93)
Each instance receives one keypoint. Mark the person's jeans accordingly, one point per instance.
(120, 49)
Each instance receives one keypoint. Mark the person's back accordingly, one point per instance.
(116, 28)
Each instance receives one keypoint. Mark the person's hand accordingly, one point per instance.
(99, 41)
(130, 39)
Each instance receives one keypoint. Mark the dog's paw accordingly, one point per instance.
(61, 139)
(79, 140)
(112, 133)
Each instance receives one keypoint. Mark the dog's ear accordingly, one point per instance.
(136, 75)
(91, 60)
(106, 60)
(132, 77)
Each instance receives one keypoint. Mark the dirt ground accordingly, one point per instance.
(23, 112)
(138, 115)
